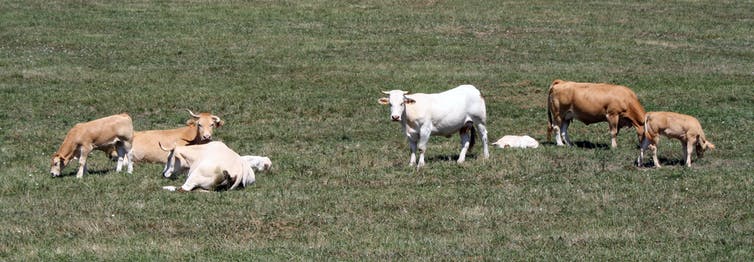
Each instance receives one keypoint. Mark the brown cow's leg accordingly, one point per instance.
(688, 150)
(613, 121)
(82, 161)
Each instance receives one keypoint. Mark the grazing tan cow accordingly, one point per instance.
(113, 131)
(592, 103)
(673, 125)
(198, 130)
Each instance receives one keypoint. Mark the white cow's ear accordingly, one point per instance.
(383, 101)
(386, 92)
(409, 100)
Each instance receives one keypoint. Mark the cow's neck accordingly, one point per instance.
(191, 135)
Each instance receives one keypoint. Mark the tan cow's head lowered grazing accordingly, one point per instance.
(204, 122)
(57, 164)
(397, 100)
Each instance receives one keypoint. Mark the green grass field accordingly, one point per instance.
(298, 81)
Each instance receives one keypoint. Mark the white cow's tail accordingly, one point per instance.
(472, 141)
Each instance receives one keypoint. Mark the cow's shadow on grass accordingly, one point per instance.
(580, 144)
(590, 145)
(664, 161)
(98, 172)
(449, 157)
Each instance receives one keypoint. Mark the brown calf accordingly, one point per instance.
(102, 134)
(673, 125)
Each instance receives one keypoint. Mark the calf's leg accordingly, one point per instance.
(84, 151)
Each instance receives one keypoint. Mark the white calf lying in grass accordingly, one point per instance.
(673, 125)
(517, 142)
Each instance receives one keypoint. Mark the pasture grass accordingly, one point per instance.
(298, 81)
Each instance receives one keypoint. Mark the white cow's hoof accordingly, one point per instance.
(170, 188)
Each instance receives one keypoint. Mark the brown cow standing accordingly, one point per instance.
(685, 128)
(198, 130)
(101, 134)
(592, 103)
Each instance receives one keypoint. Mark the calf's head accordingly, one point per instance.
(204, 123)
(397, 100)
(703, 145)
(57, 164)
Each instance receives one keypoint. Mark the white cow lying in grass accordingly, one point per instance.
(517, 142)
(211, 166)
(422, 115)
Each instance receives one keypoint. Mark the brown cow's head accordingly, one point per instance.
(57, 164)
(204, 123)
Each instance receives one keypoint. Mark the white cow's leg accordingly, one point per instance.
(465, 141)
(412, 145)
(422, 145)
(564, 132)
(482, 129)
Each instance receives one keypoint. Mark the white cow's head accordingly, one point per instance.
(204, 123)
(173, 163)
(258, 163)
(397, 100)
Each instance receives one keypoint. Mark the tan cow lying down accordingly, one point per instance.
(673, 125)
(198, 130)
(516, 142)
(592, 103)
(211, 166)
(100, 134)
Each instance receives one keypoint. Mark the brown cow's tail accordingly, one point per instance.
(549, 111)
(647, 133)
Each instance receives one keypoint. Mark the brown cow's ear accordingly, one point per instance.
(383, 101)
(190, 122)
(220, 123)
(409, 100)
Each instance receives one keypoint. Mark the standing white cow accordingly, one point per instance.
(422, 115)
(212, 165)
